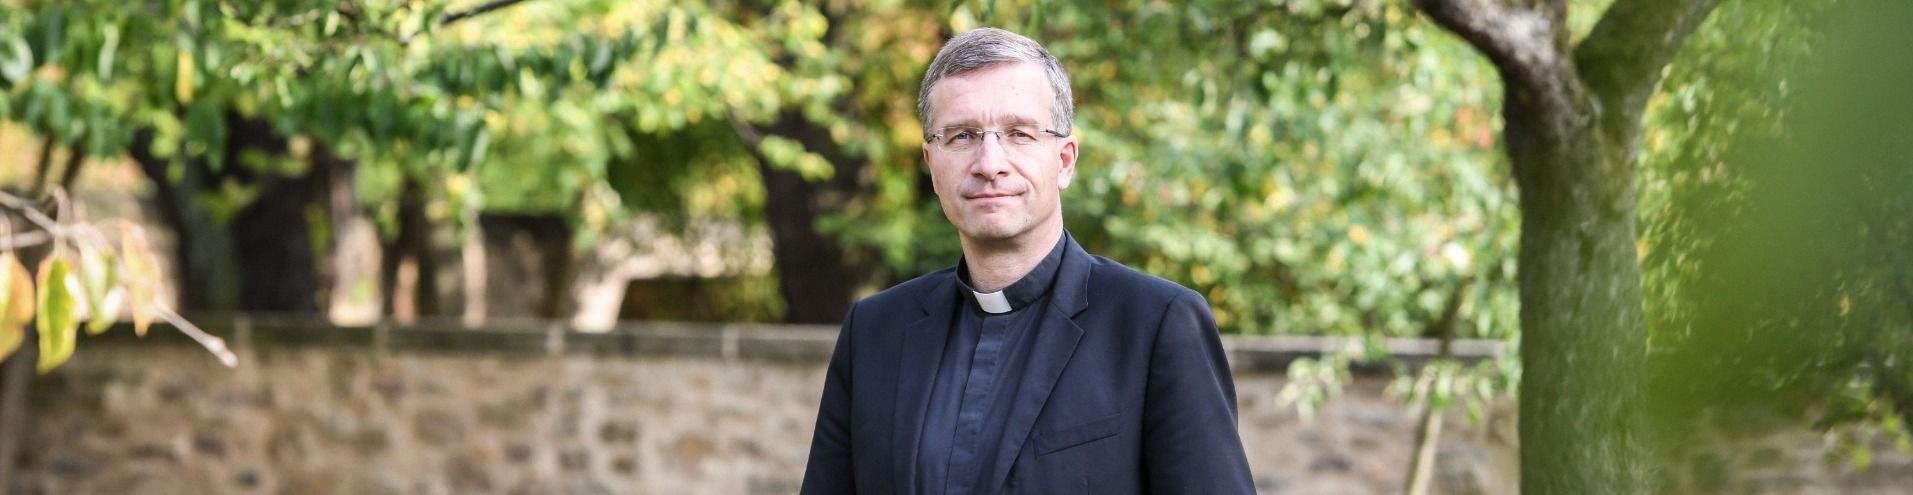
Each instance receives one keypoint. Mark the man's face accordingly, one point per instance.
(999, 191)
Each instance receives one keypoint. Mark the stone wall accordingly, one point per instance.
(666, 409)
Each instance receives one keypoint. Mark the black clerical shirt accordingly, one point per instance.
(984, 360)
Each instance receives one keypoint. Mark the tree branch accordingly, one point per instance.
(746, 132)
(45, 163)
(474, 11)
(75, 160)
(31, 213)
(461, 15)
(1621, 60)
(1522, 41)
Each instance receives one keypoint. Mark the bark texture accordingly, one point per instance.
(1573, 117)
(812, 274)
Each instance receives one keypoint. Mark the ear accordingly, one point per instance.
(930, 169)
(1066, 155)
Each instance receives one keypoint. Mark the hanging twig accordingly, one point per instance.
(26, 209)
(212, 344)
(1428, 435)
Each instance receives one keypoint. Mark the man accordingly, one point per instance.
(1031, 366)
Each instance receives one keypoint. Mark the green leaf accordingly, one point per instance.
(59, 313)
(16, 60)
(108, 51)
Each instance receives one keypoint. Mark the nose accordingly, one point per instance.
(991, 162)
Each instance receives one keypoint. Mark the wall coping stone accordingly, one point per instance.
(785, 343)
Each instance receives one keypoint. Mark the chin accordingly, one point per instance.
(994, 232)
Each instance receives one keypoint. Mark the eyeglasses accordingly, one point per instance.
(961, 139)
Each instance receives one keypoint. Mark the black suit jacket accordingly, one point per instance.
(1132, 392)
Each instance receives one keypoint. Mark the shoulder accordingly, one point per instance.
(1113, 280)
(901, 299)
(910, 292)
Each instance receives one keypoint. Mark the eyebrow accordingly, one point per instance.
(1008, 121)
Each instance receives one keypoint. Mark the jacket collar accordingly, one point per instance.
(1069, 288)
(1020, 294)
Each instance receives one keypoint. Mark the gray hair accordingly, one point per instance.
(982, 48)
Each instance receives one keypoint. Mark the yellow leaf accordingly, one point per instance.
(59, 308)
(99, 281)
(183, 76)
(142, 276)
(16, 303)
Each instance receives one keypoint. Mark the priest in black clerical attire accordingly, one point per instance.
(1031, 366)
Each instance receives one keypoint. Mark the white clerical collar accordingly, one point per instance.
(992, 303)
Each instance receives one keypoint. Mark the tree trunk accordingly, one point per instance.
(261, 259)
(1572, 117)
(1583, 335)
(277, 267)
(207, 277)
(812, 272)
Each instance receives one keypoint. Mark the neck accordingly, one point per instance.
(995, 264)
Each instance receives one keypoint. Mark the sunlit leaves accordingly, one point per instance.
(789, 154)
(16, 58)
(59, 308)
(1317, 165)
(99, 276)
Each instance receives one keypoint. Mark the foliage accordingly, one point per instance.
(1320, 168)
(80, 278)
(58, 309)
(526, 120)
(1310, 167)
(1779, 255)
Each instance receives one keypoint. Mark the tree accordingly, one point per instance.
(230, 108)
(1573, 118)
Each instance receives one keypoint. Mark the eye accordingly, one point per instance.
(1021, 135)
(957, 138)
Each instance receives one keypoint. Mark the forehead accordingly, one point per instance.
(1016, 93)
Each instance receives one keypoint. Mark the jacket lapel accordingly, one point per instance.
(922, 354)
(1056, 337)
